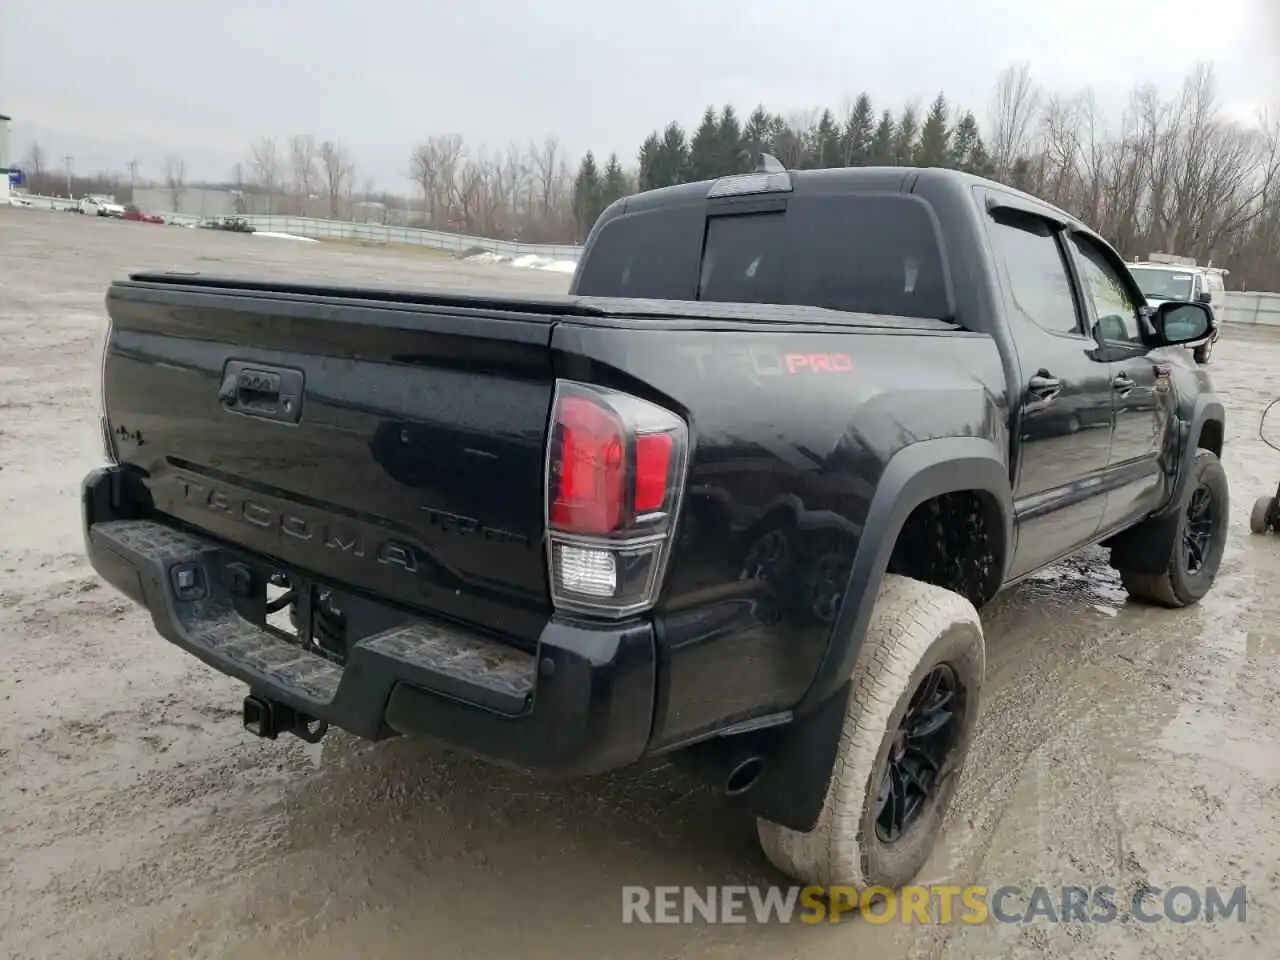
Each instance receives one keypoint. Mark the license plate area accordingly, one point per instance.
(306, 614)
(319, 617)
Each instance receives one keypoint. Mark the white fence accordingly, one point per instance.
(1260, 309)
(367, 233)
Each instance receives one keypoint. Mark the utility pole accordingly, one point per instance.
(133, 177)
(68, 160)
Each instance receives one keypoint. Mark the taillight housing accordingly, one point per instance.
(102, 343)
(614, 484)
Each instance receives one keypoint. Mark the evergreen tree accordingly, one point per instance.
(904, 140)
(882, 140)
(757, 138)
(935, 137)
(825, 148)
(968, 152)
(856, 137)
(731, 156)
(671, 163)
(963, 140)
(979, 160)
(615, 185)
(587, 194)
(1022, 174)
(704, 163)
(649, 153)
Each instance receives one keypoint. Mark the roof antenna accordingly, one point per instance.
(769, 164)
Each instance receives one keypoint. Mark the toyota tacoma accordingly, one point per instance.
(733, 500)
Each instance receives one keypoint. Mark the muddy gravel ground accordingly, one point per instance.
(1119, 745)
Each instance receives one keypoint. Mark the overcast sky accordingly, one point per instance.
(112, 82)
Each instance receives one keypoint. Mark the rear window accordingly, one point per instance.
(863, 254)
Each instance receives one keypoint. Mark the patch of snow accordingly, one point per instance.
(527, 261)
(284, 236)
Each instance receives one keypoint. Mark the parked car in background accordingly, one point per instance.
(100, 206)
(133, 213)
(1163, 281)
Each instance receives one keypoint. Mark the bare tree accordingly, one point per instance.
(175, 179)
(545, 158)
(1060, 138)
(302, 164)
(1012, 116)
(337, 172)
(434, 166)
(34, 167)
(266, 161)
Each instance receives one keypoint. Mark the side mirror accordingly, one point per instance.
(1181, 322)
(1204, 296)
(1110, 327)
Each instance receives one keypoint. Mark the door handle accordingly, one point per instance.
(1123, 383)
(271, 393)
(1044, 387)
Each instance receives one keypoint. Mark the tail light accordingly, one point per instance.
(615, 479)
(101, 343)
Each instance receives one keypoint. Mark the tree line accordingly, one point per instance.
(1170, 174)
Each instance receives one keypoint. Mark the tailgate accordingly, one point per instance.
(387, 445)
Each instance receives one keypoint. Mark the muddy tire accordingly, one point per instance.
(1203, 353)
(1192, 540)
(924, 645)
(1260, 516)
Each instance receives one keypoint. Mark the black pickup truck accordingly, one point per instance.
(733, 500)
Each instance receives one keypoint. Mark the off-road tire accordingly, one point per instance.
(1259, 516)
(1175, 586)
(914, 627)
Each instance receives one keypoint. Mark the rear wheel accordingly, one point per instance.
(907, 729)
(1192, 541)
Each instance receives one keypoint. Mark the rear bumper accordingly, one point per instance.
(583, 703)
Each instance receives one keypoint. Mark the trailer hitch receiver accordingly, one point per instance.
(268, 719)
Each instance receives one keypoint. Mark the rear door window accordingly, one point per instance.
(863, 254)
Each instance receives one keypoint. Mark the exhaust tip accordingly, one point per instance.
(743, 776)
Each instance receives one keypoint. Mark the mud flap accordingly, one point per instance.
(798, 760)
(1145, 548)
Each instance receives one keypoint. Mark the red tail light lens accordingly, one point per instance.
(589, 470)
(615, 474)
(653, 465)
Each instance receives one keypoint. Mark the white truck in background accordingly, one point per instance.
(1163, 276)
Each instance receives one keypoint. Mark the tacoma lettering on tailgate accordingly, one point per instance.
(352, 538)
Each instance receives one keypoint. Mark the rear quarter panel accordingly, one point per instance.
(791, 431)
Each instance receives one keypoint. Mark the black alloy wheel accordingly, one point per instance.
(920, 749)
(1197, 538)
